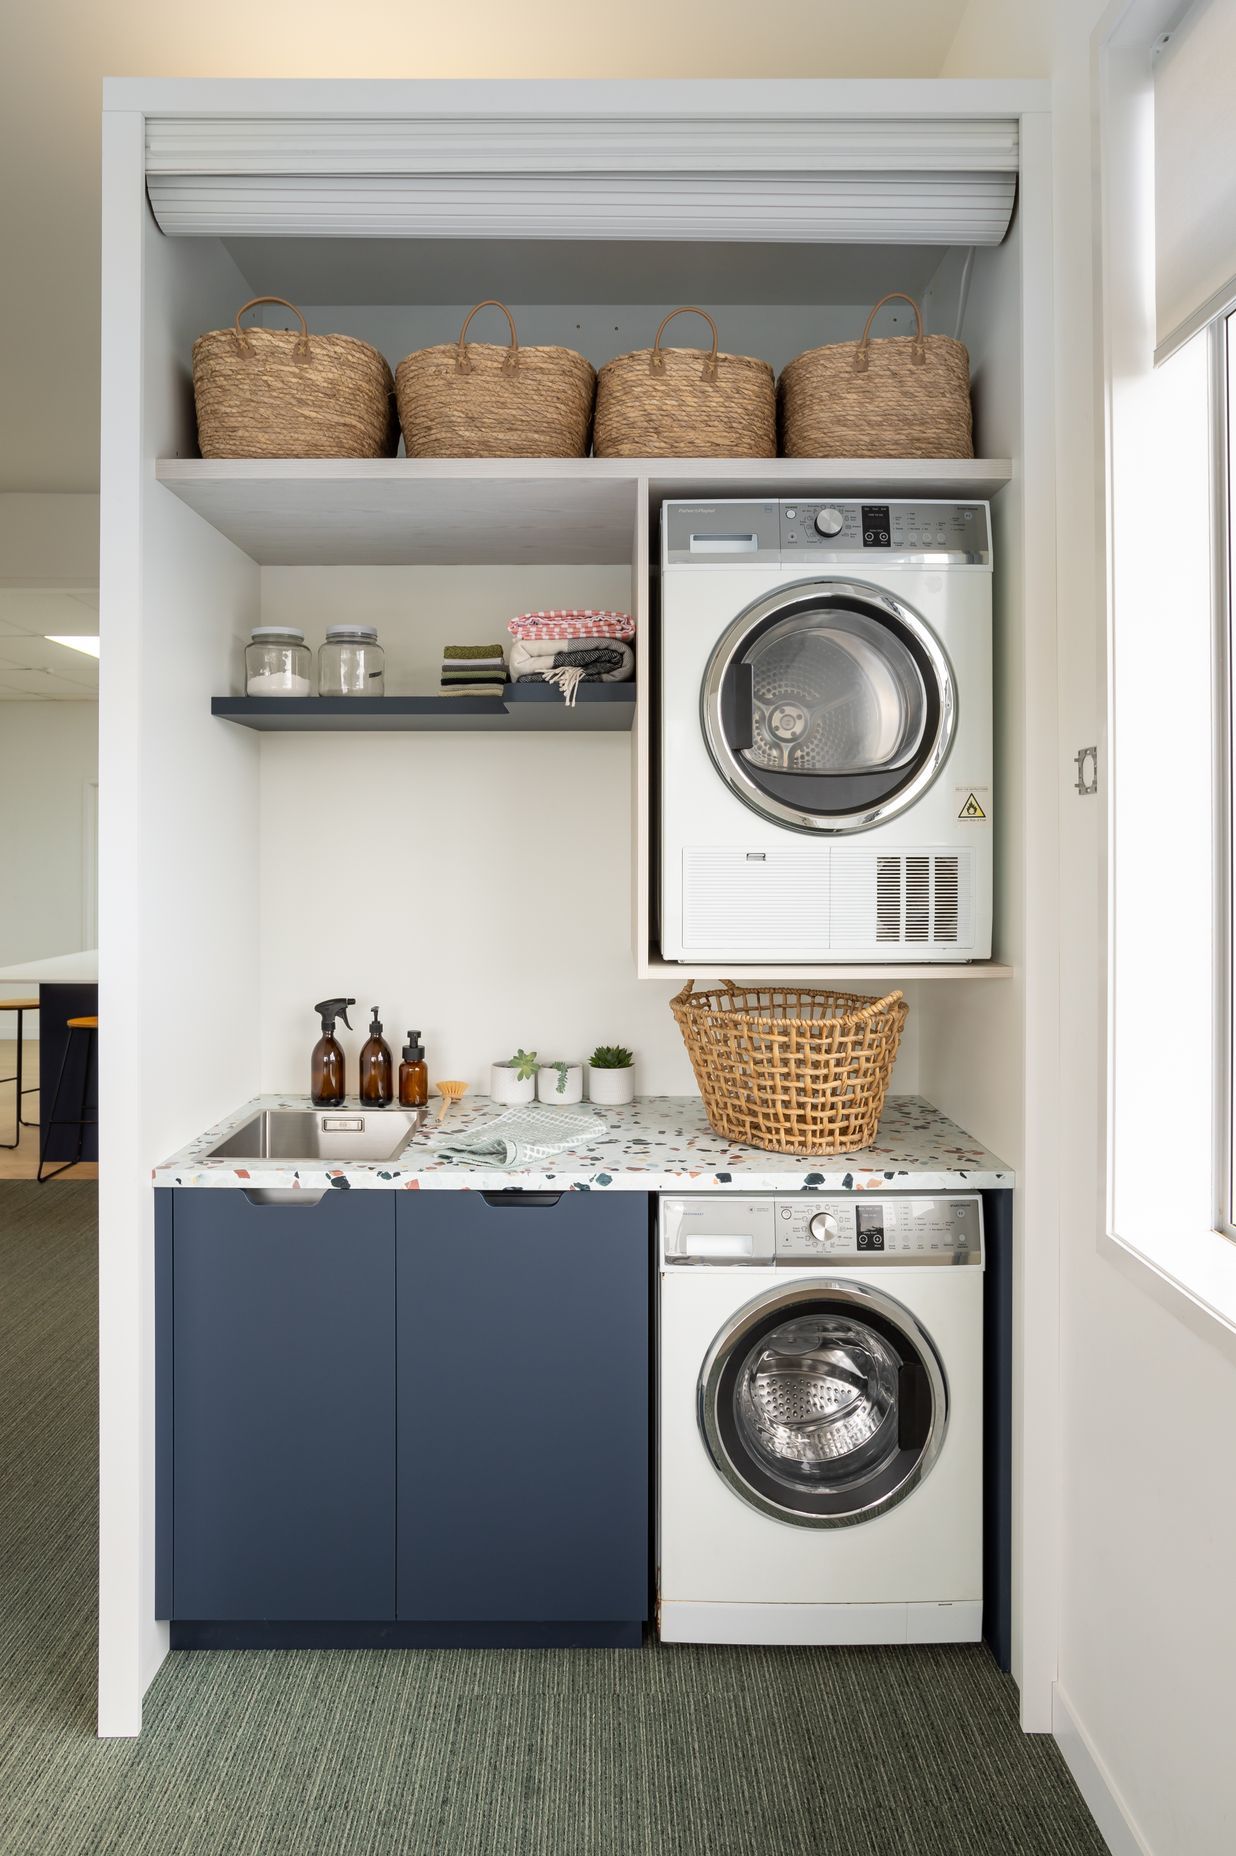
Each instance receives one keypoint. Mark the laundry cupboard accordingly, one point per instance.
(499, 873)
(407, 1417)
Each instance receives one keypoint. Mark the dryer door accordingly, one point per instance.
(828, 706)
(823, 1404)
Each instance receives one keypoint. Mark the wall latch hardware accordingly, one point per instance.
(1087, 781)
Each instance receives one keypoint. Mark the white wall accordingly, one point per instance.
(474, 886)
(48, 539)
(178, 858)
(1147, 1531)
(49, 752)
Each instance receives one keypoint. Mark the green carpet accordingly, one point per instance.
(678, 1752)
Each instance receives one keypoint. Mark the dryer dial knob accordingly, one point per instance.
(829, 522)
(824, 1226)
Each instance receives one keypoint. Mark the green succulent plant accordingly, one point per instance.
(562, 1069)
(611, 1057)
(524, 1064)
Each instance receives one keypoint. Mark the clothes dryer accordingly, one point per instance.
(825, 743)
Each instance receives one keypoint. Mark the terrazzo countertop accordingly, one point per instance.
(658, 1144)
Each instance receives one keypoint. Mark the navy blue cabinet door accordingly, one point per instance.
(283, 1407)
(523, 1407)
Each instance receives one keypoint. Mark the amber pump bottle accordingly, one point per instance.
(413, 1074)
(328, 1083)
(377, 1070)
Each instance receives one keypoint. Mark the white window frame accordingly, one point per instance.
(1193, 1266)
(1221, 343)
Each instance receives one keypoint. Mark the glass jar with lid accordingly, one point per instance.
(278, 662)
(351, 662)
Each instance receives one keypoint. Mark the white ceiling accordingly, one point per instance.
(32, 669)
(57, 53)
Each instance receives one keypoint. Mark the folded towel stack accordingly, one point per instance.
(473, 670)
(572, 646)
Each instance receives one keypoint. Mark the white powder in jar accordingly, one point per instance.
(277, 683)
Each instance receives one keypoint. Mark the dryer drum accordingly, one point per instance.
(843, 699)
(828, 706)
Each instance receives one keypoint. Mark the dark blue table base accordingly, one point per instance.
(57, 1003)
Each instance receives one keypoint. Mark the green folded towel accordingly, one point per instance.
(474, 689)
(472, 650)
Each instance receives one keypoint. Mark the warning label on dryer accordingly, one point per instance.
(972, 807)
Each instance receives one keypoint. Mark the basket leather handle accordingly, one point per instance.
(656, 360)
(463, 364)
(241, 336)
(919, 352)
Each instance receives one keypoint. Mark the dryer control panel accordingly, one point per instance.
(837, 530)
(851, 530)
(863, 1228)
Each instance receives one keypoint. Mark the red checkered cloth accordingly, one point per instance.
(573, 622)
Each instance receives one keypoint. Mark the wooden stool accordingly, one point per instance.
(80, 1121)
(21, 1007)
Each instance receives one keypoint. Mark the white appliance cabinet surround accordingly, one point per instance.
(817, 197)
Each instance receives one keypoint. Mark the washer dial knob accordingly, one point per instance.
(824, 1225)
(829, 521)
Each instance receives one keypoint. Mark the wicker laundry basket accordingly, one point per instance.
(679, 403)
(906, 396)
(279, 393)
(794, 1070)
(476, 400)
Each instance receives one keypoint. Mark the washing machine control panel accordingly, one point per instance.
(845, 530)
(714, 1229)
(866, 1228)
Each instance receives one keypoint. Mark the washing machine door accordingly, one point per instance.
(823, 1404)
(828, 706)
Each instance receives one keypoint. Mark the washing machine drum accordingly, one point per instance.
(824, 1405)
(828, 706)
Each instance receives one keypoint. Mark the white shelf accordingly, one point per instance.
(397, 512)
(789, 975)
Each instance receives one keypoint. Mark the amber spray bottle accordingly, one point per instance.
(328, 1083)
(377, 1070)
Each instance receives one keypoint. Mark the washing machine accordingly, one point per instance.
(825, 736)
(820, 1418)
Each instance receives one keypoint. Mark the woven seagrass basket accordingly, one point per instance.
(279, 393)
(794, 1070)
(905, 396)
(678, 403)
(476, 400)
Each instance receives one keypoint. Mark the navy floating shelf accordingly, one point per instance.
(523, 708)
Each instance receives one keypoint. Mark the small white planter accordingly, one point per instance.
(613, 1087)
(508, 1088)
(558, 1091)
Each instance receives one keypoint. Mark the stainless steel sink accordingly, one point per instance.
(332, 1134)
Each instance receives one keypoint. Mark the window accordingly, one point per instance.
(1168, 218)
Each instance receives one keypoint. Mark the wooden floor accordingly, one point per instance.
(22, 1161)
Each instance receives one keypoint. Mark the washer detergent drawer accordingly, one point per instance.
(793, 902)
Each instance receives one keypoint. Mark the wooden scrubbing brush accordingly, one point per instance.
(450, 1093)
